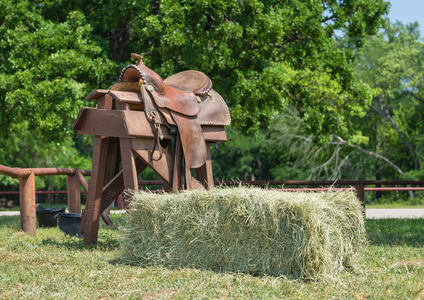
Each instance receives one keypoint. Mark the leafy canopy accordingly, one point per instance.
(46, 70)
(392, 64)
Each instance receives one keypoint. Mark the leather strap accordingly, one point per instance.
(152, 114)
(157, 142)
(149, 108)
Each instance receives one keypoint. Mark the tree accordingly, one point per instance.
(46, 70)
(386, 140)
(261, 55)
(392, 64)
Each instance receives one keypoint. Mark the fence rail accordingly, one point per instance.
(18, 172)
(38, 192)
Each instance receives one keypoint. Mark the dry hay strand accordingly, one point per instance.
(244, 229)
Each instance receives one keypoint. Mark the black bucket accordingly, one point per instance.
(69, 223)
(46, 217)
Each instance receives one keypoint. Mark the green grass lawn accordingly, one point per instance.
(54, 266)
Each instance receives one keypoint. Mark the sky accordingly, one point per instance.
(408, 11)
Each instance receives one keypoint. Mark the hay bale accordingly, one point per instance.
(297, 235)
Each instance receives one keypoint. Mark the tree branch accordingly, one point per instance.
(340, 144)
(387, 116)
(373, 154)
(328, 18)
(416, 97)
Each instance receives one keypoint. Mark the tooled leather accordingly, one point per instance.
(204, 89)
(151, 110)
(171, 104)
(213, 110)
(134, 67)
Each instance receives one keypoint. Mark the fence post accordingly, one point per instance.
(74, 194)
(360, 192)
(27, 203)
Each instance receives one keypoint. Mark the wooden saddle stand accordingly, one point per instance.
(144, 121)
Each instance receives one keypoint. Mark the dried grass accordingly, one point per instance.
(244, 229)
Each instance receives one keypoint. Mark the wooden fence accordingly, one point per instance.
(75, 179)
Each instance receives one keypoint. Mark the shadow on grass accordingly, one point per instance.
(122, 261)
(75, 243)
(107, 239)
(408, 232)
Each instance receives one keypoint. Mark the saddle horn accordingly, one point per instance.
(138, 57)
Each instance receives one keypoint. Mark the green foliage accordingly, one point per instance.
(268, 155)
(285, 152)
(264, 55)
(240, 158)
(261, 55)
(392, 64)
(47, 68)
(52, 155)
(383, 140)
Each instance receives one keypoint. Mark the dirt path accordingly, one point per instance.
(394, 213)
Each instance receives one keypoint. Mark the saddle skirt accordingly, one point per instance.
(185, 99)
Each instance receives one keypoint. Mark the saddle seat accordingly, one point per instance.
(190, 81)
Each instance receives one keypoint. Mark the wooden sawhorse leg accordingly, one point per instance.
(128, 175)
(128, 165)
(204, 173)
(91, 213)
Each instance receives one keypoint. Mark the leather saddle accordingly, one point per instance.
(184, 100)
